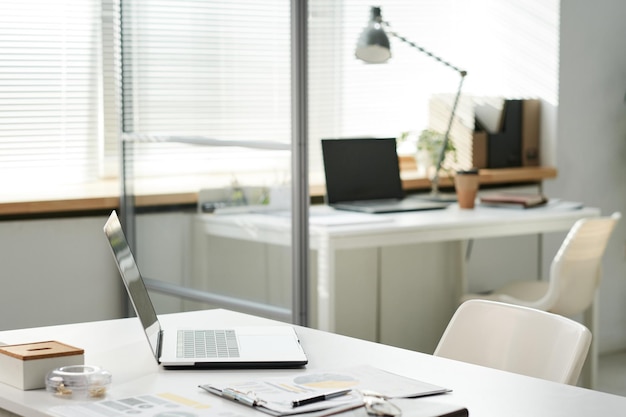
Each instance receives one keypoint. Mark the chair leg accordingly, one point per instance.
(465, 249)
(589, 372)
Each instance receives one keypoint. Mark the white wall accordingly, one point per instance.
(591, 143)
(61, 270)
(57, 271)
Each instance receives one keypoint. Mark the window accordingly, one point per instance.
(213, 69)
(221, 69)
(50, 92)
(509, 49)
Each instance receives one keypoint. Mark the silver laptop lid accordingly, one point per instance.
(133, 281)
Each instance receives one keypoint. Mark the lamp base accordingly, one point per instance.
(439, 197)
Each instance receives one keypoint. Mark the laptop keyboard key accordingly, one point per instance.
(207, 344)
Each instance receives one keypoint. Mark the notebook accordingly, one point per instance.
(364, 175)
(232, 347)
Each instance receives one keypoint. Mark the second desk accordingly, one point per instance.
(392, 278)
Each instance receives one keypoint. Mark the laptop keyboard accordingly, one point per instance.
(207, 344)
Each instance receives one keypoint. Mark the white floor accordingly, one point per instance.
(612, 373)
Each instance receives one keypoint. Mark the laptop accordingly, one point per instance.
(364, 175)
(232, 347)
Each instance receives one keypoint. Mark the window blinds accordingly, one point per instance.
(207, 68)
(222, 69)
(510, 49)
(49, 91)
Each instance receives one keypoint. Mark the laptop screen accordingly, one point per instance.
(361, 169)
(133, 281)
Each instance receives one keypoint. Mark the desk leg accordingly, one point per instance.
(463, 258)
(419, 293)
(325, 285)
(589, 372)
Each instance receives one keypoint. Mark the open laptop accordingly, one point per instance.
(232, 347)
(364, 175)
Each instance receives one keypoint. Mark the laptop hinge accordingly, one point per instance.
(159, 346)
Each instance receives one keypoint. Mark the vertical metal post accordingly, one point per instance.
(127, 195)
(299, 163)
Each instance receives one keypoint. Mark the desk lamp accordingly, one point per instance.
(373, 47)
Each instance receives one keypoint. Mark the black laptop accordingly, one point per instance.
(364, 175)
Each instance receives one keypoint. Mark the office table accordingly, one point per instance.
(372, 272)
(120, 347)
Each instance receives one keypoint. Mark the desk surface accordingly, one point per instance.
(120, 346)
(388, 230)
(363, 230)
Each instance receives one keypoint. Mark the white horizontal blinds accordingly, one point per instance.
(325, 75)
(111, 77)
(387, 99)
(219, 69)
(379, 100)
(525, 34)
(222, 69)
(49, 96)
(509, 48)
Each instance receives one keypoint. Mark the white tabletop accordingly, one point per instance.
(120, 347)
(351, 230)
(334, 230)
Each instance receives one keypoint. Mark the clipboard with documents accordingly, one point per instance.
(321, 393)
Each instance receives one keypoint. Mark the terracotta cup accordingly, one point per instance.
(466, 186)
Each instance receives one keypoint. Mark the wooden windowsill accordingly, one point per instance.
(499, 176)
(104, 195)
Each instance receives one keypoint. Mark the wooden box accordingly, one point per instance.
(489, 132)
(25, 366)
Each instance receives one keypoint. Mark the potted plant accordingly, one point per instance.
(429, 145)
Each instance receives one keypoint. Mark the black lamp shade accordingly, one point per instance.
(373, 44)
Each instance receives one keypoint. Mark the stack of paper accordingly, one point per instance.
(325, 393)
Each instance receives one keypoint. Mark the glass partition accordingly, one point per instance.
(245, 78)
(208, 120)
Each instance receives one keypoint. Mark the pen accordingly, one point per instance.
(318, 398)
(239, 396)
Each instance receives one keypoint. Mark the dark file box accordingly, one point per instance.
(504, 149)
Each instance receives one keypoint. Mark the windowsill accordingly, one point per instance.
(104, 195)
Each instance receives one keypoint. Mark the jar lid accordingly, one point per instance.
(78, 381)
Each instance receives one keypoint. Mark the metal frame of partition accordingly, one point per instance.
(299, 166)
(298, 314)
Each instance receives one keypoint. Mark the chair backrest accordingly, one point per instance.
(516, 339)
(575, 270)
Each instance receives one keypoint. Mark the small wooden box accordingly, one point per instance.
(26, 366)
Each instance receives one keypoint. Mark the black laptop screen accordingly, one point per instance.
(361, 169)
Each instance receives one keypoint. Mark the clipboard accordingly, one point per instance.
(292, 404)
(276, 396)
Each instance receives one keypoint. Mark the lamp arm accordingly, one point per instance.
(463, 73)
(446, 138)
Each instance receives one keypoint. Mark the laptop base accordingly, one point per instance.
(397, 206)
(438, 197)
(237, 365)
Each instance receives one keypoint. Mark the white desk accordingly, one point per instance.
(120, 347)
(371, 276)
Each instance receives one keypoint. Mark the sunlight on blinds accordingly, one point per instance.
(49, 95)
(510, 49)
(222, 69)
(207, 68)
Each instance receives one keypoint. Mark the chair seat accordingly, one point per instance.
(527, 291)
(516, 339)
(575, 273)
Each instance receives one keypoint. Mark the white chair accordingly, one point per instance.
(516, 339)
(574, 279)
